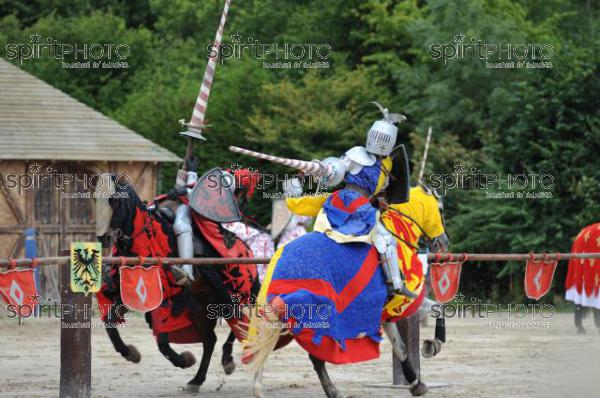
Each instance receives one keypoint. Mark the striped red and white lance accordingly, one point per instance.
(197, 121)
(312, 167)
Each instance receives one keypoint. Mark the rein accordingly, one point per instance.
(401, 214)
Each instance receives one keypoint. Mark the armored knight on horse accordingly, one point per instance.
(349, 266)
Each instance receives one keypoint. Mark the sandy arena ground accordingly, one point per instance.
(477, 361)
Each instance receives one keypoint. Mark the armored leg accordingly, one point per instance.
(183, 230)
(385, 244)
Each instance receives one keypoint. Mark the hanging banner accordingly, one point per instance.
(17, 287)
(538, 277)
(445, 280)
(86, 267)
(141, 287)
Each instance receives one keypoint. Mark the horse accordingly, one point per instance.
(134, 229)
(582, 285)
(422, 216)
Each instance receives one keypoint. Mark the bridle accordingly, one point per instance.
(423, 233)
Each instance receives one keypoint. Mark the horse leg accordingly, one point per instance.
(183, 360)
(258, 388)
(579, 315)
(128, 351)
(597, 317)
(206, 328)
(227, 358)
(416, 386)
(432, 347)
(326, 382)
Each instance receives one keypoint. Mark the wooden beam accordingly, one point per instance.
(139, 177)
(14, 208)
(75, 339)
(16, 229)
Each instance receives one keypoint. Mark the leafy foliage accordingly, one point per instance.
(501, 121)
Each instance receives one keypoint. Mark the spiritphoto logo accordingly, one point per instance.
(72, 55)
(297, 183)
(71, 185)
(496, 185)
(495, 55)
(274, 55)
(308, 315)
(89, 315)
(498, 316)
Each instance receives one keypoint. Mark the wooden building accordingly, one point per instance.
(51, 148)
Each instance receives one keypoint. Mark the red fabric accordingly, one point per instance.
(237, 278)
(323, 288)
(357, 350)
(163, 321)
(149, 240)
(445, 280)
(584, 274)
(141, 287)
(538, 278)
(17, 287)
(337, 202)
(248, 179)
(410, 265)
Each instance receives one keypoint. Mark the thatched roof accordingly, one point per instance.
(38, 121)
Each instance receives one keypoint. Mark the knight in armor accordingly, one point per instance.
(185, 182)
(361, 170)
(348, 215)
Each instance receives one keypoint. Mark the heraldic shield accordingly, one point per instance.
(212, 197)
(17, 287)
(445, 280)
(538, 277)
(86, 267)
(141, 287)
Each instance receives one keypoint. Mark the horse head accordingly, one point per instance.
(422, 217)
(117, 205)
(435, 214)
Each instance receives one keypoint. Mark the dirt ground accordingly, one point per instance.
(482, 358)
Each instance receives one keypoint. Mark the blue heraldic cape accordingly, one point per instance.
(330, 279)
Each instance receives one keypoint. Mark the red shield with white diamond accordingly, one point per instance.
(538, 278)
(17, 287)
(141, 288)
(445, 279)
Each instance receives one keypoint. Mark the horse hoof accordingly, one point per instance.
(188, 360)
(192, 388)
(229, 367)
(431, 348)
(419, 389)
(133, 355)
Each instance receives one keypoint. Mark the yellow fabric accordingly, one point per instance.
(423, 208)
(307, 205)
(261, 300)
(382, 182)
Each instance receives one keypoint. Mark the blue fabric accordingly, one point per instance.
(315, 258)
(358, 223)
(367, 178)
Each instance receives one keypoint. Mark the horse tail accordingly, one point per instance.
(260, 338)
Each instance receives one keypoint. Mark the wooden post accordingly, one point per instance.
(75, 339)
(409, 331)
